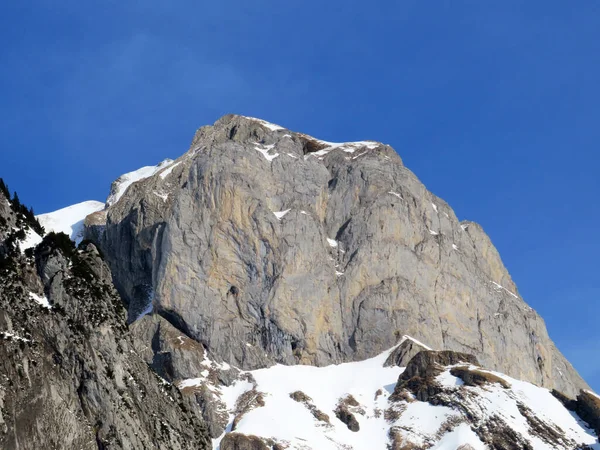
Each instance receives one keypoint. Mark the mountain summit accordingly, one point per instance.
(271, 246)
(281, 292)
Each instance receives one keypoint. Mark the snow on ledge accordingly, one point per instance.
(281, 214)
(500, 287)
(40, 300)
(165, 173)
(32, 239)
(264, 123)
(406, 337)
(264, 150)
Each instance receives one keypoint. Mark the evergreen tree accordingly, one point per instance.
(4, 188)
(16, 203)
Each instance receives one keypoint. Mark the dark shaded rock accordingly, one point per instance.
(69, 375)
(429, 363)
(238, 441)
(418, 377)
(588, 408)
(403, 353)
(342, 413)
(476, 377)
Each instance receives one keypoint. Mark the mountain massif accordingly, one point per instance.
(271, 290)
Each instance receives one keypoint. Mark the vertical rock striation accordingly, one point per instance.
(267, 245)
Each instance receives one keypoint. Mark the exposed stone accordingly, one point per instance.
(359, 254)
(403, 353)
(238, 441)
(69, 374)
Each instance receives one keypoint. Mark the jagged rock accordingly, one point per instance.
(403, 353)
(69, 374)
(238, 441)
(315, 253)
(429, 363)
(418, 377)
(588, 408)
(171, 354)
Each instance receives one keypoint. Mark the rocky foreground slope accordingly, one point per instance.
(271, 246)
(70, 377)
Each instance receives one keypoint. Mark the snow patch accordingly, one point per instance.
(281, 214)
(40, 300)
(165, 173)
(396, 194)
(264, 150)
(410, 338)
(31, 240)
(455, 247)
(69, 220)
(264, 123)
(434, 206)
(124, 181)
(6, 335)
(332, 242)
(500, 287)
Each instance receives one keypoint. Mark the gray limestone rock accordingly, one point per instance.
(267, 245)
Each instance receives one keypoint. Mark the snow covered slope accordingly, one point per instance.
(121, 184)
(359, 406)
(69, 220)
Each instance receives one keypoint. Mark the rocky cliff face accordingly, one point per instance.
(267, 245)
(70, 376)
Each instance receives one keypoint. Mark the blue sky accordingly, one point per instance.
(495, 107)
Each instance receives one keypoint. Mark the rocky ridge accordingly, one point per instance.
(270, 246)
(69, 373)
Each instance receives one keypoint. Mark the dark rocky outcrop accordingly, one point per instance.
(238, 441)
(588, 408)
(429, 363)
(69, 373)
(403, 353)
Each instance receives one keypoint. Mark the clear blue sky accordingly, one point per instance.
(494, 105)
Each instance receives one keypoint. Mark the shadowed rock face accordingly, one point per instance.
(317, 254)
